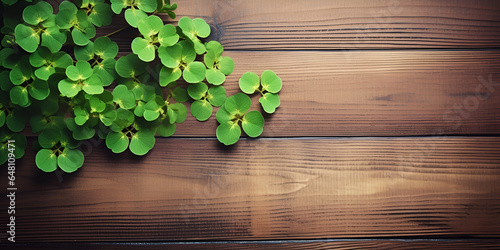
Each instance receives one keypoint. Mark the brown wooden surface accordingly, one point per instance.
(319, 244)
(382, 93)
(352, 69)
(348, 24)
(194, 189)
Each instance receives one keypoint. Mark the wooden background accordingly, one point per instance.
(388, 136)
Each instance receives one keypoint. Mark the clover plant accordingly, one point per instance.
(71, 86)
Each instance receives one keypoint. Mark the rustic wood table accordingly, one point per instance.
(388, 136)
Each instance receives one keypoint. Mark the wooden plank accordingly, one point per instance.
(319, 244)
(195, 189)
(372, 93)
(348, 24)
(382, 93)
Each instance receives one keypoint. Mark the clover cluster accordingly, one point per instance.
(69, 86)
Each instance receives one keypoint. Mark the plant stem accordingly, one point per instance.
(116, 31)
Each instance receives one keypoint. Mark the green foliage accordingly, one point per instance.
(71, 86)
(268, 86)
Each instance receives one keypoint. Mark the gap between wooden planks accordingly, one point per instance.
(195, 189)
(347, 24)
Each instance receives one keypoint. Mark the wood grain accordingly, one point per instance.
(319, 244)
(348, 24)
(382, 93)
(195, 189)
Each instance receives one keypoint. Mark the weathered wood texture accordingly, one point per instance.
(348, 24)
(389, 93)
(341, 244)
(377, 93)
(194, 189)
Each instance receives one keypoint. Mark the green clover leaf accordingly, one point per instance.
(20, 144)
(37, 13)
(180, 94)
(152, 110)
(238, 104)
(216, 96)
(168, 35)
(130, 66)
(134, 17)
(270, 82)
(80, 71)
(99, 12)
(180, 111)
(142, 142)
(166, 129)
(16, 120)
(197, 90)
(124, 97)
(117, 141)
(150, 27)
(47, 62)
(249, 82)
(218, 67)
(193, 29)
(124, 118)
(144, 49)
(169, 75)
(46, 160)
(194, 72)
(270, 102)
(268, 86)
(253, 123)
(201, 110)
(171, 56)
(228, 133)
(27, 37)
(70, 160)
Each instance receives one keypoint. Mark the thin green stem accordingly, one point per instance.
(116, 31)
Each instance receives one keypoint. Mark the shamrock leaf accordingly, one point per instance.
(99, 13)
(268, 86)
(57, 151)
(142, 142)
(47, 62)
(249, 82)
(39, 26)
(124, 97)
(137, 10)
(201, 109)
(270, 102)
(253, 123)
(270, 82)
(218, 67)
(193, 29)
(234, 112)
(70, 160)
(175, 58)
(46, 160)
(80, 77)
(37, 13)
(194, 72)
(27, 37)
(228, 133)
(238, 104)
(19, 143)
(130, 66)
(146, 47)
(216, 95)
(117, 142)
